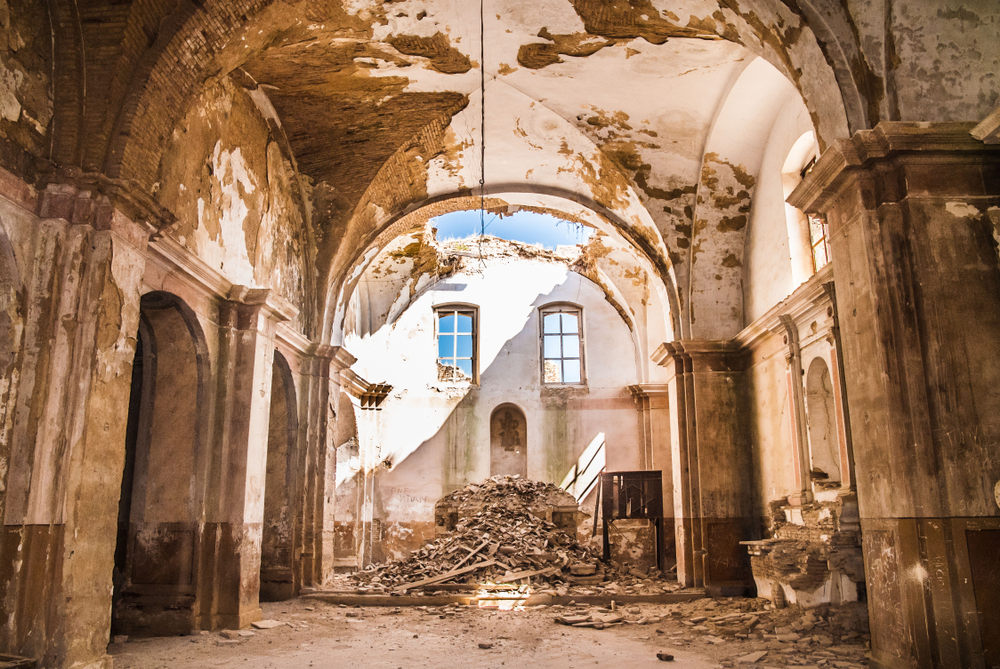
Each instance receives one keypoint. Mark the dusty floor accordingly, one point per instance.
(318, 634)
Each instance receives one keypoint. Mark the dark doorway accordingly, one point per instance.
(277, 556)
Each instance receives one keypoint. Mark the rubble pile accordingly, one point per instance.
(813, 555)
(501, 535)
(508, 493)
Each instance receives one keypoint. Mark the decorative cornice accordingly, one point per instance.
(370, 394)
(643, 390)
(804, 301)
(340, 358)
(295, 340)
(702, 350)
(177, 259)
(125, 195)
(945, 141)
(273, 305)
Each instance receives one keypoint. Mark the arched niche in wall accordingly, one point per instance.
(277, 572)
(162, 495)
(824, 459)
(508, 441)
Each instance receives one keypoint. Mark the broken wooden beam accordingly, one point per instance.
(445, 576)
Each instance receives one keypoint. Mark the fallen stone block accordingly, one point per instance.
(752, 658)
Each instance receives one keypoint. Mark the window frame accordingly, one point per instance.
(457, 308)
(562, 308)
(819, 244)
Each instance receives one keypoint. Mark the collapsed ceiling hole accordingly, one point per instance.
(528, 227)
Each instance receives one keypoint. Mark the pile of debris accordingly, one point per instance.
(502, 532)
(601, 618)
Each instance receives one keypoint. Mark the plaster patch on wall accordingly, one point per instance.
(961, 209)
(10, 84)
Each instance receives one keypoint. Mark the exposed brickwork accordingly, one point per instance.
(177, 69)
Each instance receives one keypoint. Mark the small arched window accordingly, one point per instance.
(562, 345)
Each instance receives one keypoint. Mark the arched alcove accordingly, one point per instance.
(508, 441)
(161, 503)
(824, 459)
(277, 573)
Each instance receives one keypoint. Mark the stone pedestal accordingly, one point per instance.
(710, 464)
(913, 215)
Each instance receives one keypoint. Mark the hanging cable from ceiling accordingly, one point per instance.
(482, 128)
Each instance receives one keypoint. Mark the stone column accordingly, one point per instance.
(81, 270)
(913, 211)
(711, 463)
(327, 364)
(235, 509)
(653, 402)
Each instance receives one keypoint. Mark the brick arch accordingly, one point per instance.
(172, 72)
(106, 55)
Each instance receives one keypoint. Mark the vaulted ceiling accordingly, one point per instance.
(644, 111)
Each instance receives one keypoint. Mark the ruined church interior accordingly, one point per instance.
(686, 311)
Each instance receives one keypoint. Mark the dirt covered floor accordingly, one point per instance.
(703, 634)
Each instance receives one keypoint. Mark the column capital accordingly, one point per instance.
(707, 355)
(929, 144)
(264, 300)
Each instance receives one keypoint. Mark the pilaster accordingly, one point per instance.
(652, 400)
(73, 363)
(710, 461)
(913, 212)
(247, 329)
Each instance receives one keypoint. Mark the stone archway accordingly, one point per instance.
(161, 504)
(278, 534)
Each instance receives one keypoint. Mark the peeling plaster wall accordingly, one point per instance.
(770, 423)
(945, 59)
(726, 192)
(76, 288)
(25, 66)
(767, 275)
(232, 190)
(435, 437)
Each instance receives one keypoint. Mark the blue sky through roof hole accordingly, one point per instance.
(522, 226)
